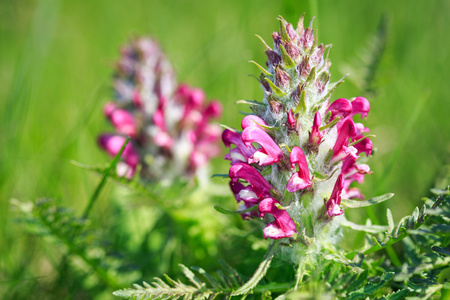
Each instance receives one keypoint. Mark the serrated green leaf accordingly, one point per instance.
(358, 282)
(260, 272)
(191, 276)
(371, 287)
(399, 295)
(232, 273)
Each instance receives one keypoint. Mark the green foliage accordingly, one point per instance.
(201, 286)
(154, 190)
(259, 273)
(364, 66)
(47, 218)
(334, 273)
(432, 219)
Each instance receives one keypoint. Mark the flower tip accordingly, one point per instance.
(214, 109)
(108, 109)
(334, 210)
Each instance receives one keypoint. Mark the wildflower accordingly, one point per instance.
(299, 150)
(299, 180)
(169, 124)
(283, 226)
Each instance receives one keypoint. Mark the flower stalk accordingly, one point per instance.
(169, 124)
(299, 151)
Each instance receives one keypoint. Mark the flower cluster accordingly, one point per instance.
(169, 124)
(296, 156)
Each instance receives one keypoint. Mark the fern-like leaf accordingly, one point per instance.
(196, 289)
(47, 218)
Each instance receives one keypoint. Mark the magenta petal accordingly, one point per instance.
(252, 120)
(332, 205)
(296, 183)
(213, 110)
(158, 119)
(340, 108)
(113, 143)
(124, 122)
(248, 173)
(291, 119)
(261, 157)
(360, 105)
(341, 149)
(283, 226)
(254, 134)
(241, 152)
(243, 193)
(301, 179)
(230, 137)
(315, 136)
(365, 146)
(109, 108)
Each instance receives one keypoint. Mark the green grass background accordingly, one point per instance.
(56, 58)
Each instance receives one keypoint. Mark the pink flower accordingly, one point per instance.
(252, 120)
(122, 120)
(341, 149)
(246, 195)
(205, 146)
(283, 226)
(241, 153)
(291, 120)
(315, 136)
(360, 105)
(193, 100)
(340, 108)
(113, 143)
(246, 172)
(166, 121)
(301, 179)
(353, 172)
(270, 152)
(243, 193)
(364, 145)
(162, 137)
(332, 205)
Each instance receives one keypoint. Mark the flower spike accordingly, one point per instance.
(169, 123)
(319, 135)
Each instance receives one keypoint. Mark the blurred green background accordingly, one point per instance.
(56, 59)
